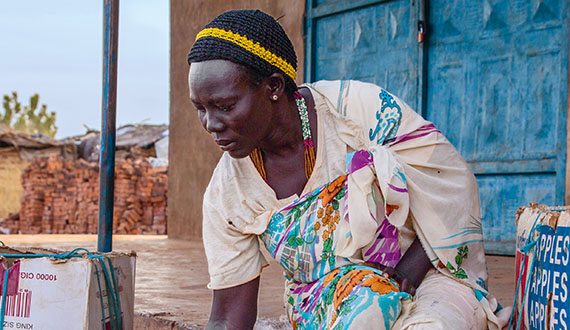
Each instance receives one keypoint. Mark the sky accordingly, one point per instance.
(54, 48)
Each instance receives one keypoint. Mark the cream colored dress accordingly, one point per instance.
(427, 191)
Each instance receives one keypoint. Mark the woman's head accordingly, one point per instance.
(252, 39)
(235, 112)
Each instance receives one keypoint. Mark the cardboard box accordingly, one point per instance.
(543, 292)
(48, 294)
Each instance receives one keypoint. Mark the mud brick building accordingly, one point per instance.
(59, 192)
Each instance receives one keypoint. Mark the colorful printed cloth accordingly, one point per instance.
(328, 291)
(413, 183)
(352, 296)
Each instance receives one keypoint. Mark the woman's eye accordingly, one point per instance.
(226, 108)
(200, 110)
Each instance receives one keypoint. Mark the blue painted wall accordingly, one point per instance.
(491, 74)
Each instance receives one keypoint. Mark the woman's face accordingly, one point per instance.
(234, 111)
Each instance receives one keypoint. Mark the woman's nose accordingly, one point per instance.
(213, 123)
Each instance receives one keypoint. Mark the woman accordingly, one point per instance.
(373, 215)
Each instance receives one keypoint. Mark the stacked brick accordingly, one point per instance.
(61, 197)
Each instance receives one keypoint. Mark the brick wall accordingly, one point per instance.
(61, 197)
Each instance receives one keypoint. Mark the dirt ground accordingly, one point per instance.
(171, 278)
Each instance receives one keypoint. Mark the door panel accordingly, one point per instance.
(375, 42)
(501, 196)
(496, 86)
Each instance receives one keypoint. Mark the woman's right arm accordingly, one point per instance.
(235, 308)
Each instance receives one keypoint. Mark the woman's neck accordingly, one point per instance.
(286, 136)
(285, 163)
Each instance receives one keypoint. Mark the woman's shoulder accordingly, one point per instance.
(339, 91)
(380, 113)
(342, 88)
(353, 99)
(225, 176)
(235, 181)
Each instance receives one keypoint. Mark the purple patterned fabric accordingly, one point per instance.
(420, 132)
(385, 249)
(360, 159)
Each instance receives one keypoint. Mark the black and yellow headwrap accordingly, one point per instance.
(250, 38)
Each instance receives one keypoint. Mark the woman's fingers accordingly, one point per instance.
(373, 265)
(392, 273)
(406, 286)
(389, 272)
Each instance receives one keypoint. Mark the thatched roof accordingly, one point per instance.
(129, 138)
(11, 138)
(142, 136)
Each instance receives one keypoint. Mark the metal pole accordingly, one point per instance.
(107, 156)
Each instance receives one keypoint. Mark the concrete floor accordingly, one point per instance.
(171, 278)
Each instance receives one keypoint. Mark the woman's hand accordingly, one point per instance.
(405, 284)
(391, 273)
(410, 270)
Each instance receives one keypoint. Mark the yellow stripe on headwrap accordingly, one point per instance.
(250, 46)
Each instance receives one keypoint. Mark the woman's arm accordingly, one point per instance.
(235, 308)
(412, 268)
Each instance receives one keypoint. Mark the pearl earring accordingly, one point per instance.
(274, 97)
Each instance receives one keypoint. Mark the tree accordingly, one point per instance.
(29, 119)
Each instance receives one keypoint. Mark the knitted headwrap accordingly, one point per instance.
(250, 38)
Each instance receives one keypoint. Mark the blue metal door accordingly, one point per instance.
(494, 77)
(368, 40)
(497, 78)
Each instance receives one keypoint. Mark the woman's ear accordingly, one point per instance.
(275, 86)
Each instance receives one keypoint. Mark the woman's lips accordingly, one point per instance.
(226, 145)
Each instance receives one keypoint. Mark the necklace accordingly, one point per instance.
(257, 158)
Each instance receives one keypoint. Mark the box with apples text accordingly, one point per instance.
(542, 267)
